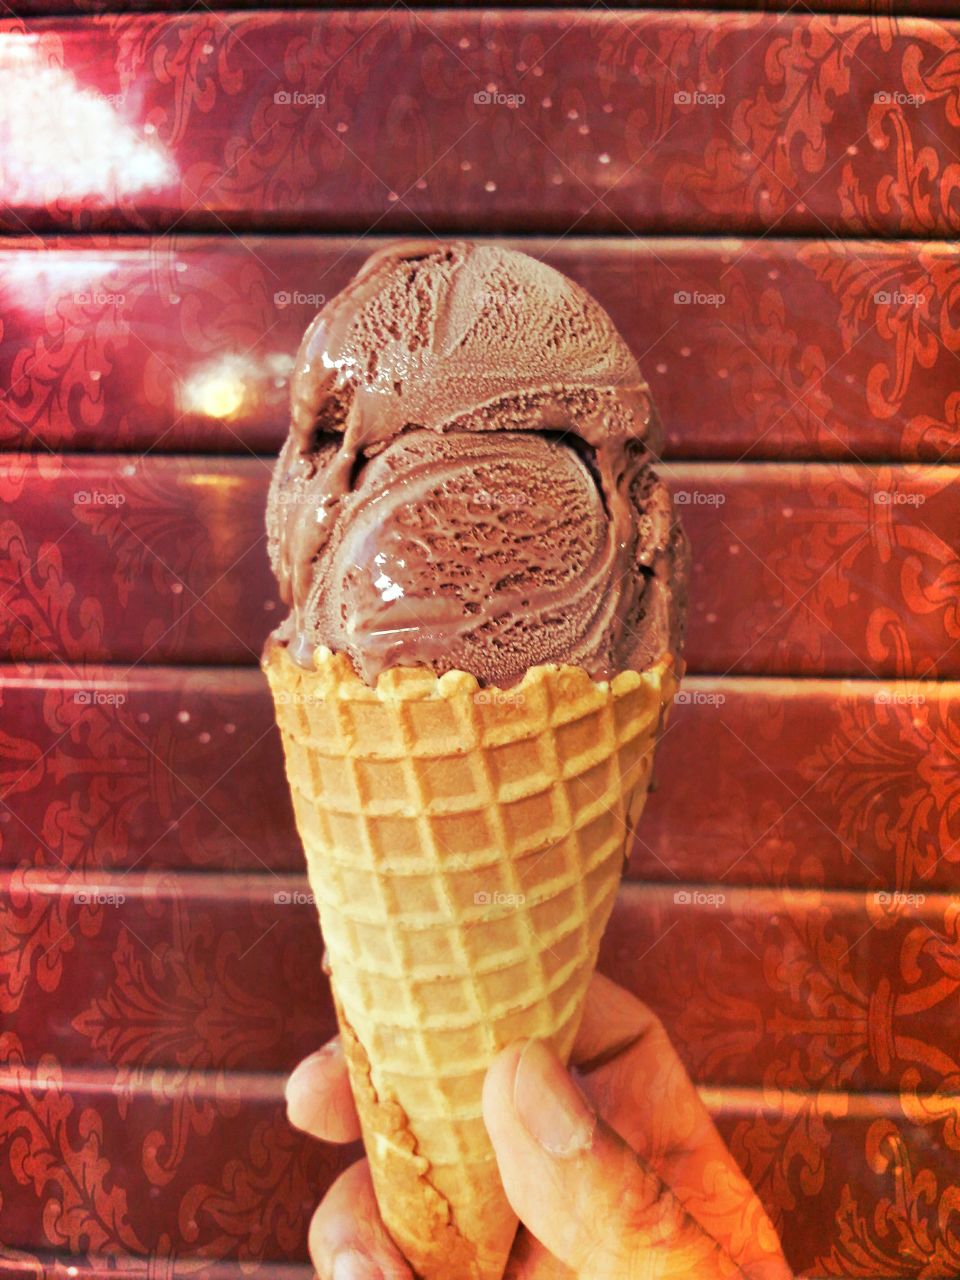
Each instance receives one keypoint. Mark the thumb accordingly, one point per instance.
(585, 1195)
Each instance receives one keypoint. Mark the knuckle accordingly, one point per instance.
(647, 1210)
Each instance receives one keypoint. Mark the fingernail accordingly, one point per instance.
(330, 1052)
(349, 1264)
(332, 1049)
(550, 1106)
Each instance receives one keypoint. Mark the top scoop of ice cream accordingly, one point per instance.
(467, 481)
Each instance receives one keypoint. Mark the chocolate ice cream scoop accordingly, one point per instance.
(467, 481)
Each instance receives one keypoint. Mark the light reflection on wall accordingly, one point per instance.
(62, 141)
(48, 277)
(216, 390)
(233, 385)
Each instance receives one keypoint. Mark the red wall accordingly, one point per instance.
(153, 989)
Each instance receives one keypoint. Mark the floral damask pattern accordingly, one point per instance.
(827, 1027)
(816, 6)
(183, 343)
(71, 1144)
(843, 1085)
(797, 782)
(917, 288)
(150, 769)
(860, 578)
(149, 1012)
(157, 345)
(826, 783)
(144, 560)
(837, 570)
(655, 120)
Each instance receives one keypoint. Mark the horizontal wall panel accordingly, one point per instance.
(29, 8)
(156, 768)
(174, 1165)
(806, 782)
(851, 1188)
(39, 1266)
(807, 570)
(821, 570)
(134, 559)
(352, 120)
(812, 990)
(757, 781)
(200, 973)
(800, 989)
(756, 349)
(70, 1149)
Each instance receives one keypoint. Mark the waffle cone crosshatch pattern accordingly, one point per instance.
(763, 198)
(465, 854)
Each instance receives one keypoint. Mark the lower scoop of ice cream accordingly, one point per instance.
(488, 553)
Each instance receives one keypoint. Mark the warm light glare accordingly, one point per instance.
(61, 140)
(33, 281)
(217, 390)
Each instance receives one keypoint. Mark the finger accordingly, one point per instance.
(529, 1260)
(578, 1187)
(633, 1075)
(348, 1240)
(612, 1019)
(318, 1095)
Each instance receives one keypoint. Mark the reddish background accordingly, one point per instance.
(159, 970)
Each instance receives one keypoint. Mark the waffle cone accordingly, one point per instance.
(464, 847)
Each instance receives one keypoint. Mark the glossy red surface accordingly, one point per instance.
(160, 1165)
(806, 782)
(847, 784)
(810, 569)
(43, 1266)
(877, 7)
(351, 120)
(786, 1000)
(153, 768)
(138, 972)
(144, 1042)
(753, 348)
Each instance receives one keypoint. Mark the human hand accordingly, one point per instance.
(619, 1176)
